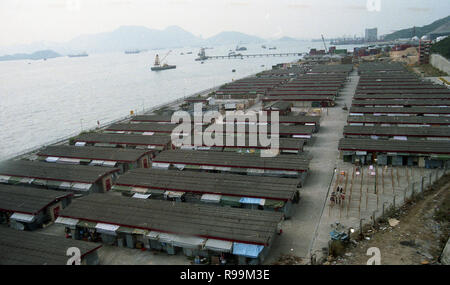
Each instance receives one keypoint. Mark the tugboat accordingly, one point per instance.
(240, 48)
(157, 65)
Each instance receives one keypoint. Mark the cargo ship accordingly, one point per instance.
(157, 66)
(132, 51)
(78, 55)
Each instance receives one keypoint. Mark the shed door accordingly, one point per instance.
(145, 163)
(56, 212)
(108, 184)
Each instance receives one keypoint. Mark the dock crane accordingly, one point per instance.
(325, 46)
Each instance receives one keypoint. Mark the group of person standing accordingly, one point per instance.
(338, 196)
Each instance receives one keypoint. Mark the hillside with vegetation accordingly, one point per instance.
(442, 47)
(420, 31)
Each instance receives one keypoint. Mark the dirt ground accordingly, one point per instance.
(418, 238)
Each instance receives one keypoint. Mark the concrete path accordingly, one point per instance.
(300, 230)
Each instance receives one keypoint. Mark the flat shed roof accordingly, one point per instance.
(27, 200)
(142, 127)
(31, 248)
(129, 139)
(211, 183)
(398, 131)
(420, 120)
(400, 110)
(87, 152)
(396, 146)
(298, 163)
(54, 171)
(231, 224)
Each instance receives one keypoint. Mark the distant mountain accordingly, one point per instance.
(233, 38)
(420, 31)
(133, 37)
(287, 39)
(43, 54)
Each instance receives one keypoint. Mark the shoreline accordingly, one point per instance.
(66, 138)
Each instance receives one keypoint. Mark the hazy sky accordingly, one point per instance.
(26, 21)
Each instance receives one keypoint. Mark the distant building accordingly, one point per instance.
(371, 35)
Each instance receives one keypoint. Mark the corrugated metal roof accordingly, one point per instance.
(111, 154)
(30, 248)
(399, 119)
(142, 127)
(232, 224)
(417, 146)
(54, 171)
(231, 159)
(129, 139)
(212, 183)
(398, 131)
(27, 199)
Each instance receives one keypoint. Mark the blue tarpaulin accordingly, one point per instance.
(247, 250)
(245, 200)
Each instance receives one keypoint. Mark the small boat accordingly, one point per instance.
(234, 70)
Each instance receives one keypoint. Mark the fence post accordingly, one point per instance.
(361, 227)
(412, 189)
(421, 185)
(374, 218)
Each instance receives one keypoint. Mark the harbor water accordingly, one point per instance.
(42, 101)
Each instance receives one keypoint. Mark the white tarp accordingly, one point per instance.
(69, 160)
(67, 221)
(188, 241)
(65, 185)
(4, 178)
(153, 235)
(139, 190)
(141, 196)
(302, 136)
(180, 166)
(106, 228)
(173, 194)
(160, 165)
(52, 159)
(97, 162)
(400, 138)
(219, 245)
(167, 238)
(212, 198)
(80, 143)
(207, 167)
(22, 217)
(110, 163)
(255, 170)
(148, 133)
(81, 186)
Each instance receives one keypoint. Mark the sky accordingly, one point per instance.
(28, 21)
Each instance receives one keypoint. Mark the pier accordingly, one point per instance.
(241, 56)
